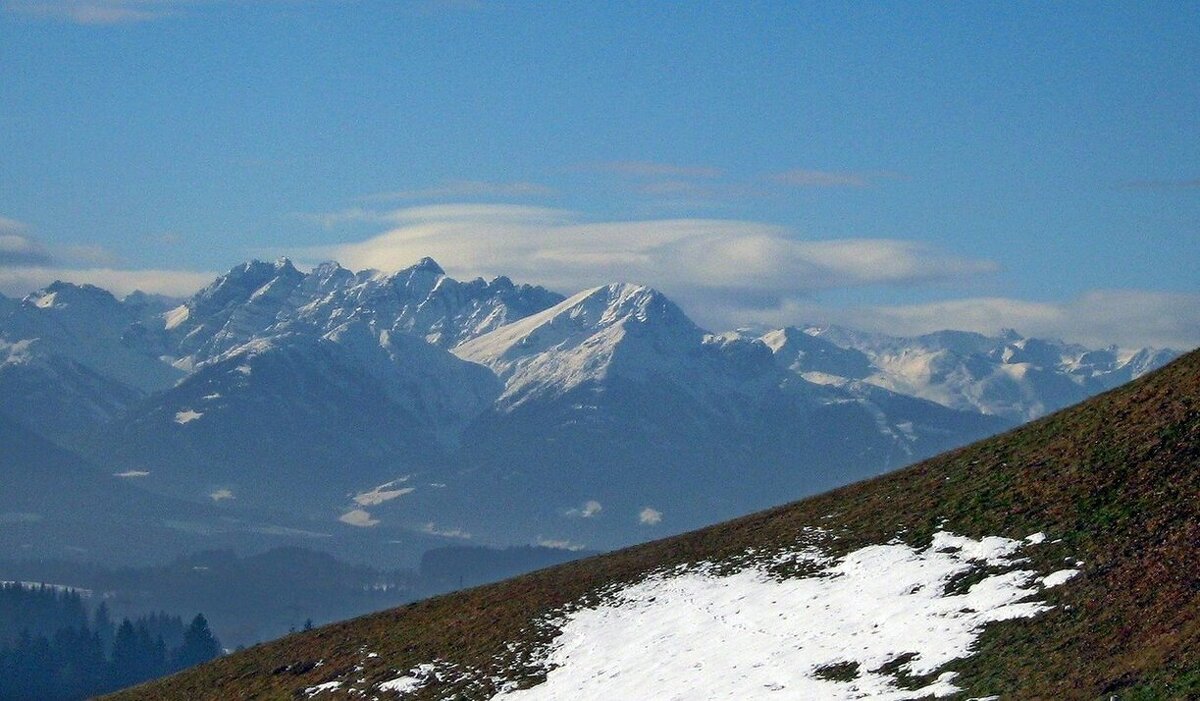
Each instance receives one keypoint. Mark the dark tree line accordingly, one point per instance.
(52, 649)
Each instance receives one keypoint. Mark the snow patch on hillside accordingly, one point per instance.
(384, 492)
(187, 416)
(698, 633)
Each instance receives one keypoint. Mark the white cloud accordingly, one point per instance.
(650, 516)
(131, 474)
(358, 517)
(590, 509)
(687, 258)
(221, 495)
(175, 283)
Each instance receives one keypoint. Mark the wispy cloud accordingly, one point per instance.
(652, 169)
(26, 264)
(95, 12)
(800, 177)
(173, 283)
(90, 254)
(20, 251)
(460, 189)
(11, 226)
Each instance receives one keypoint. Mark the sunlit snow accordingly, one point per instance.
(1056, 578)
(187, 416)
(382, 493)
(698, 634)
(322, 688)
(358, 517)
(410, 682)
(176, 316)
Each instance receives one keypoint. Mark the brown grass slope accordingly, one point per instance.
(1117, 478)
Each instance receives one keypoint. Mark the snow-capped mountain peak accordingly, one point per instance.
(622, 328)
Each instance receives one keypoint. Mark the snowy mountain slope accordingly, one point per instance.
(617, 331)
(805, 353)
(54, 395)
(88, 325)
(299, 422)
(1055, 561)
(69, 361)
(615, 398)
(1009, 376)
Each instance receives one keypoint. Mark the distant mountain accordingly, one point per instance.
(412, 407)
(1009, 376)
(1058, 560)
(615, 399)
(301, 423)
(67, 364)
(257, 299)
(56, 395)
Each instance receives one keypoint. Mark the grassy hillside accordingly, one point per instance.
(1116, 478)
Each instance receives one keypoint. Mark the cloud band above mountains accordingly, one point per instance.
(555, 248)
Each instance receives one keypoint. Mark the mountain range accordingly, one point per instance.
(411, 407)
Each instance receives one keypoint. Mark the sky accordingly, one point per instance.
(894, 167)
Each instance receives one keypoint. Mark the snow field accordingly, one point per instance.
(746, 635)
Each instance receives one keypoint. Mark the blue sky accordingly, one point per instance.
(900, 167)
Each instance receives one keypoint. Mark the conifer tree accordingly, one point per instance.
(199, 645)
